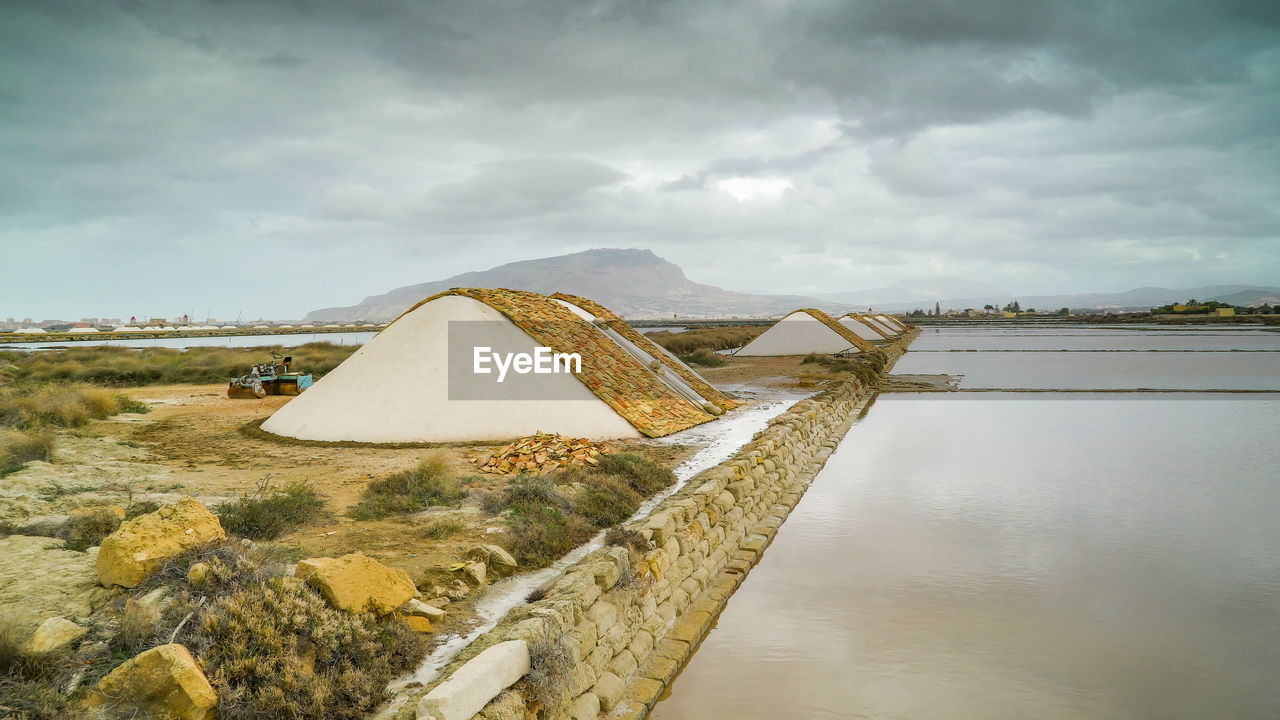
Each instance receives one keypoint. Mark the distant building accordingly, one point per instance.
(1225, 312)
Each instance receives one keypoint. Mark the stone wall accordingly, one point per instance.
(607, 636)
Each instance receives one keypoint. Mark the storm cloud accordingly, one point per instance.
(270, 158)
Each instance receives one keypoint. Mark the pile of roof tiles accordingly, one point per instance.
(541, 453)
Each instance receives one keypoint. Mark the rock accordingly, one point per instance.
(478, 681)
(198, 574)
(416, 623)
(141, 545)
(496, 559)
(421, 609)
(42, 525)
(358, 584)
(41, 579)
(53, 635)
(164, 681)
(477, 571)
(586, 707)
(609, 688)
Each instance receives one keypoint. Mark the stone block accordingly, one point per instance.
(478, 681)
(358, 584)
(164, 681)
(141, 545)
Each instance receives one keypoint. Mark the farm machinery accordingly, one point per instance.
(273, 378)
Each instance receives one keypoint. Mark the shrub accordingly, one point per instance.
(17, 448)
(705, 358)
(864, 366)
(606, 500)
(550, 672)
(30, 686)
(644, 476)
(85, 530)
(540, 534)
(722, 338)
(427, 484)
(271, 646)
(142, 507)
(268, 513)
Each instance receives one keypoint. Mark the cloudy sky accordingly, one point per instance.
(270, 158)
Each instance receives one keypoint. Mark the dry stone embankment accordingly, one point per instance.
(608, 636)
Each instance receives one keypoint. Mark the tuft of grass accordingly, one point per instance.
(17, 448)
(268, 513)
(606, 500)
(85, 530)
(31, 686)
(644, 476)
(142, 507)
(428, 483)
(441, 529)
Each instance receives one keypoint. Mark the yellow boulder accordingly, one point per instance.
(358, 584)
(141, 545)
(164, 681)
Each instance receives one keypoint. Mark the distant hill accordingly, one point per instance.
(632, 283)
(1142, 298)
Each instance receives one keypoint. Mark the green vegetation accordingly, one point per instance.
(549, 515)
(684, 343)
(125, 367)
(704, 357)
(427, 484)
(1190, 307)
(84, 530)
(268, 513)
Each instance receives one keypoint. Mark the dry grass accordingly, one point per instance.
(36, 406)
(85, 530)
(124, 367)
(689, 341)
(705, 358)
(30, 687)
(427, 484)
(867, 367)
(548, 680)
(17, 448)
(271, 646)
(269, 513)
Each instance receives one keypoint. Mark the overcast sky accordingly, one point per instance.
(274, 157)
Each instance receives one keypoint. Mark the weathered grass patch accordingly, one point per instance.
(17, 448)
(684, 343)
(428, 483)
(269, 513)
(704, 357)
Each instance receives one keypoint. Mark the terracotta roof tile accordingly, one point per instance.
(608, 371)
(616, 323)
(863, 320)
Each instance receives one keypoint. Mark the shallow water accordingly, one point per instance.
(1102, 370)
(1005, 555)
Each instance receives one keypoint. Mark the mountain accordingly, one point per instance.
(918, 290)
(1142, 298)
(632, 283)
